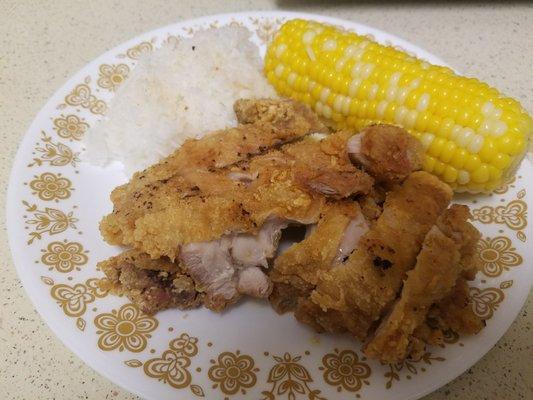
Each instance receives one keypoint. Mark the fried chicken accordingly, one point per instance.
(152, 285)
(177, 176)
(332, 240)
(367, 283)
(387, 152)
(437, 269)
(292, 183)
(381, 250)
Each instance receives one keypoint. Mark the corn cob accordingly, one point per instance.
(474, 137)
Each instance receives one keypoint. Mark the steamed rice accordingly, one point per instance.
(181, 90)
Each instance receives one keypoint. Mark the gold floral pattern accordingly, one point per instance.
(55, 154)
(137, 51)
(64, 256)
(506, 186)
(514, 215)
(49, 186)
(497, 255)
(111, 76)
(70, 127)
(266, 28)
(486, 301)
(49, 220)
(172, 366)
(81, 96)
(185, 344)
(233, 372)
(290, 378)
(128, 328)
(345, 371)
(409, 367)
(74, 299)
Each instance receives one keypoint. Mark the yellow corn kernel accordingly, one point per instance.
(481, 174)
(450, 174)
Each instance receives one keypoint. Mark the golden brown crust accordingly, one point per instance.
(390, 153)
(153, 285)
(367, 284)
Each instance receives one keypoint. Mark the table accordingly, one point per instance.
(43, 45)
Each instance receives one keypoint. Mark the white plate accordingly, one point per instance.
(55, 202)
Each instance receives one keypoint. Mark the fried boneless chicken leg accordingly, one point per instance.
(437, 268)
(367, 283)
(384, 258)
(175, 176)
(152, 285)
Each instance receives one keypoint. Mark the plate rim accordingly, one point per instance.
(99, 366)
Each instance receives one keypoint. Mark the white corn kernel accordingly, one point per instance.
(350, 50)
(475, 145)
(464, 138)
(484, 128)
(326, 110)
(354, 85)
(400, 114)
(291, 79)
(423, 103)
(496, 127)
(310, 53)
(339, 65)
(280, 50)
(373, 91)
(427, 139)
(487, 109)
(356, 70)
(346, 105)
(363, 44)
(337, 103)
(401, 95)
(329, 45)
(381, 108)
(279, 70)
(391, 93)
(308, 36)
(324, 95)
(456, 132)
(410, 119)
(395, 78)
(367, 70)
(318, 107)
(415, 83)
(463, 177)
(497, 113)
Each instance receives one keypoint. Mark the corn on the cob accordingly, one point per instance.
(474, 137)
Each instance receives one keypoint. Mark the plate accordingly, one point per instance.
(55, 202)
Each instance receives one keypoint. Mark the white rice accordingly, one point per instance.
(181, 90)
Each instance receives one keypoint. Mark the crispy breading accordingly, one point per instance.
(368, 282)
(325, 167)
(177, 176)
(318, 251)
(278, 189)
(275, 112)
(437, 269)
(455, 313)
(387, 152)
(152, 285)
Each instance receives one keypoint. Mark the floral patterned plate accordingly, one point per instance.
(55, 202)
